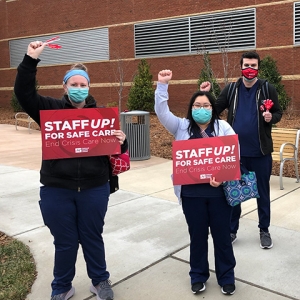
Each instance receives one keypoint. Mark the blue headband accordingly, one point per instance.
(76, 72)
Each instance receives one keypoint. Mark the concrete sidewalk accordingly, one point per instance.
(146, 237)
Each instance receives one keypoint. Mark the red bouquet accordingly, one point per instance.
(267, 104)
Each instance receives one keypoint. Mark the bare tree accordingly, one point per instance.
(119, 73)
(221, 36)
(120, 69)
(207, 73)
(219, 39)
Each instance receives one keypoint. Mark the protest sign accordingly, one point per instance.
(196, 160)
(68, 133)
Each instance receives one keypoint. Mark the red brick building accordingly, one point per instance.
(168, 34)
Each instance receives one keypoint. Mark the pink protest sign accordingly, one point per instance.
(196, 160)
(68, 133)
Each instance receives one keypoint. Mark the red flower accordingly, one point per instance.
(268, 104)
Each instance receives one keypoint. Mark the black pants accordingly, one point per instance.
(262, 166)
(202, 213)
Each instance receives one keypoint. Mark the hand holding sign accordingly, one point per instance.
(120, 135)
(214, 183)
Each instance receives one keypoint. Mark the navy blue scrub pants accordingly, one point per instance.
(201, 213)
(262, 166)
(75, 217)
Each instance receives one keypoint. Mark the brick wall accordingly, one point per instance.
(274, 20)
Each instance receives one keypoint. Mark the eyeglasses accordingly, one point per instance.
(198, 106)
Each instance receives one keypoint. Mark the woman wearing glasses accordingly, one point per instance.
(204, 205)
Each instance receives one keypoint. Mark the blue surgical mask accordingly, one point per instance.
(78, 95)
(202, 115)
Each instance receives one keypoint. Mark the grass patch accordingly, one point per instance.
(17, 269)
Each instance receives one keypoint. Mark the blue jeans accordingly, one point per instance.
(75, 217)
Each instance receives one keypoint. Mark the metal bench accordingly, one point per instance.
(24, 117)
(286, 147)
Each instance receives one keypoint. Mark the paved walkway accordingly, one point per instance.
(146, 238)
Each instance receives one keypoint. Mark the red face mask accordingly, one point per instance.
(249, 73)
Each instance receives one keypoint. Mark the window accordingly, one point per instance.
(297, 23)
(80, 46)
(211, 32)
(168, 37)
(230, 30)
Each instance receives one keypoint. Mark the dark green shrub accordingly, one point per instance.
(15, 103)
(268, 70)
(141, 94)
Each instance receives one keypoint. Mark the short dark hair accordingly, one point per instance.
(250, 54)
(212, 101)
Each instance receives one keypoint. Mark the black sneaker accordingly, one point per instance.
(265, 240)
(198, 287)
(228, 289)
(233, 237)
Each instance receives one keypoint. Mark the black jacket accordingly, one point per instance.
(72, 173)
(264, 132)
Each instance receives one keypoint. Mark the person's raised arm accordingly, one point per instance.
(35, 49)
(167, 119)
(164, 76)
(205, 86)
(25, 84)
